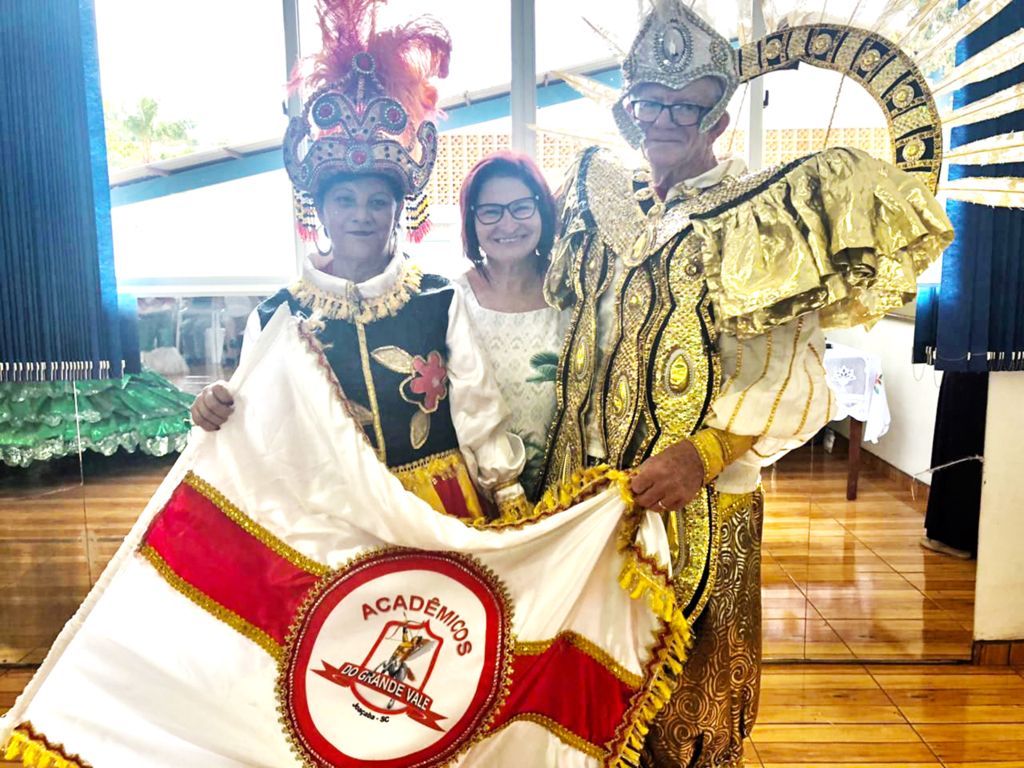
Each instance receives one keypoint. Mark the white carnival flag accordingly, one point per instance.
(283, 601)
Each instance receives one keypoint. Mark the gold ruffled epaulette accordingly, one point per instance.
(839, 232)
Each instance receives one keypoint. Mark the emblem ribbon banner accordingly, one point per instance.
(279, 552)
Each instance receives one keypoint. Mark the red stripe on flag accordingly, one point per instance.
(567, 686)
(216, 556)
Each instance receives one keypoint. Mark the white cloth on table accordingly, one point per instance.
(855, 377)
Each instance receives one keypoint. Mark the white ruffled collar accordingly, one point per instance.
(368, 289)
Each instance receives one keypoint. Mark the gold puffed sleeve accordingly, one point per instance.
(839, 232)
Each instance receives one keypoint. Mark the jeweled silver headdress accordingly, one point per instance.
(675, 46)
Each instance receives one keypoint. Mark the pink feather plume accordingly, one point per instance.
(408, 56)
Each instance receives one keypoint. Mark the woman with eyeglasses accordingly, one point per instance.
(508, 229)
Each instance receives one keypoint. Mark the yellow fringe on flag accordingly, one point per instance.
(644, 583)
(34, 752)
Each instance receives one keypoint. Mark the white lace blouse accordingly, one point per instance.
(523, 350)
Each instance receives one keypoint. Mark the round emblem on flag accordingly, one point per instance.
(399, 659)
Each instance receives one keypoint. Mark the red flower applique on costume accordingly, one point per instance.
(430, 380)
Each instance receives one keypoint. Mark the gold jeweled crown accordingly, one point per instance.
(674, 47)
(357, 135)
(372, 107)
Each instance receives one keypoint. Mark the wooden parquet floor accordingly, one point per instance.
(843, 582)
(849, 579)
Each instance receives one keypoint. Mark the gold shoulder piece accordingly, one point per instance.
(608, 189)
(838, 232)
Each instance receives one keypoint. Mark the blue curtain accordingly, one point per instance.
(59, 316)
(974, 320)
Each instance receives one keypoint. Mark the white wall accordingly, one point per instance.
(999, 592)
(912, 391)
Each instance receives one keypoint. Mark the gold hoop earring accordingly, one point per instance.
(316, 244)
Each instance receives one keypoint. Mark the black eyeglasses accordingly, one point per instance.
(683, 115)
(491, 213)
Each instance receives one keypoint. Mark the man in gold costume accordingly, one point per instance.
(694, 355)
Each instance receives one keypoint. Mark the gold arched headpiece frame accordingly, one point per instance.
(877, 64)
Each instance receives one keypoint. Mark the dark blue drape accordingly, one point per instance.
(59, 313)
(974, 321)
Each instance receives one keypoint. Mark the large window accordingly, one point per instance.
(234, 237)
(188, 76)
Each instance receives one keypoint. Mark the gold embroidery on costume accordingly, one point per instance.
(909, 108)
(353, 308)
(789, 374)
(687, 327)
(515, 508)
(420, 477)
(715, 697)
(591, 275)
(743, 394)
(810, 399)
(371, 391)
(427, 377)
(621, 384)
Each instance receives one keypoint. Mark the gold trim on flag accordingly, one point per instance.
(211, 606)
(582, 644)
(33, 750)
(253, 528)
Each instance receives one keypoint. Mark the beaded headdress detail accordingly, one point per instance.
(370, 108)
(675, 47)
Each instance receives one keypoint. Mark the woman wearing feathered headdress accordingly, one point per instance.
(398, 340)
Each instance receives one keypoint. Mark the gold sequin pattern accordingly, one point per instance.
(918, 117)
(354, 308)
(698, 523)
(679, 415)
(608, 185)
(714, 704)
(591, 273)
(623, 374)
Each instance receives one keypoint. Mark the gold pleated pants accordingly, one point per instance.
(714, 704)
